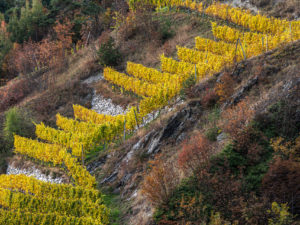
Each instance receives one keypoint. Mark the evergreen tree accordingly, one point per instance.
(32, 23)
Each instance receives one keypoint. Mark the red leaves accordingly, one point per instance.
(195, 152)
(281, 183)
(235, 119)
(225, 87)
(13, 92)
(49, 52)
(160, 183)
(64, 34)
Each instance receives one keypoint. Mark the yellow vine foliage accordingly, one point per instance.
(253, 43)
(71, 125)
(137, 86)
(193, 56)
(95, 132)
(170, 65)
(149, 104)
(219, 47)
(151, 74)
(113, 123)
(56, 155)
(20, 217)
(257, 22)
(202, 69)
(69, 140)
(70, 207)
(85, 114)
(30, 185)
(81, 176)
(41, 151)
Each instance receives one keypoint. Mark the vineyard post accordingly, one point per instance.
(267, 43)
(136, 120)
(236, 45)
(262, 41)
(124, 135)
(195, 72)
(245, 57)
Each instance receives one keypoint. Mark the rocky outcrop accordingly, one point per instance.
(171, 133)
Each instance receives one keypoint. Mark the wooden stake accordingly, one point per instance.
(195, 73)
(124, 136)
(236, 45)
(136, 120)
(242, 49)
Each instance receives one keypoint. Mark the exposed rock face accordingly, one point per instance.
(265, 78)
(126, 182)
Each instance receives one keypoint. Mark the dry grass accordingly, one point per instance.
(289, 9)
(186, 27)
(81, 66)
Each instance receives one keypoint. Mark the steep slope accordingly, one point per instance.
(225, 150)
(264, 80)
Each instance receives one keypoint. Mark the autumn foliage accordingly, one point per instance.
(195, 152)
(13, 92)
(281, 183)
(160, 183)
(225, 87)
(49, 53)
(236, 118)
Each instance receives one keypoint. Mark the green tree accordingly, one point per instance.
(32, 23)
(17, 122)
(108, 54)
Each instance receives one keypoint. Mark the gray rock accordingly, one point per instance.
(34, 172)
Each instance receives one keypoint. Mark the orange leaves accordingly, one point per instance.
(64, 34)
(194, 154)
(160, 183)
(225, 87)
(235, 119)
(50, 53)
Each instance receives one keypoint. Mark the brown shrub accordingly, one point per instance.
(50, 53)
(225, 88)
(281, 183)
(138, 23)
(160, 183)
(14, 92)
(254, 210)
(236, 118)
(210, 98)
(194, 154)
(227, 194)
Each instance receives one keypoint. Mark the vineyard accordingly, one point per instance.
(26, 200)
